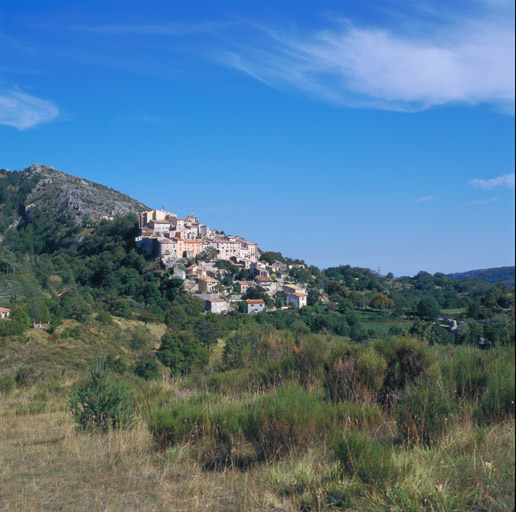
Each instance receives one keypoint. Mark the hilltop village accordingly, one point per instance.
(224, 270)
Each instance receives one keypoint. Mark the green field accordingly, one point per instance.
(453, 311)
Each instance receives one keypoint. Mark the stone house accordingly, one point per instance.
(217, 306)
(255, 306)
(297, 299)
(266, 283)
(207, 284)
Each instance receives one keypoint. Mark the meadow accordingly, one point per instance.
(275, 422)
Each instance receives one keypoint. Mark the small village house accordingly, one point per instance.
(217, 306)
(255, 306)
(207, 284)
(297, 299)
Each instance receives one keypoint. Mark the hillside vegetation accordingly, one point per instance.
(128, 396)
(503, 275)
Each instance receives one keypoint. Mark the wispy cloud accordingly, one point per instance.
(505, 181)
(423, 199)
(467, 61)
(23, 111)
(482, 201)
(157, 29)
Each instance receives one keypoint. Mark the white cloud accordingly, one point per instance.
(467, 62)
(483, 201)
(505, 181)
(423, 199)
(23, 111)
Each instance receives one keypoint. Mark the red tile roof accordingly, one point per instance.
(263, 279)
(255, 301)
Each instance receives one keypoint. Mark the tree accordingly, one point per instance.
(182, 353)
(381, 301)
(209, 253)
(428, 308)
(102, 403)
(147, 369)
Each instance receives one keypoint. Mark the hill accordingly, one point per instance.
(489, 275)
(40, 186)
(51, 209)
(334, 405)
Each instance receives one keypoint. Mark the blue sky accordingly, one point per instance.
(376, 135)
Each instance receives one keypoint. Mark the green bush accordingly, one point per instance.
(212, 425)
(289, 418)
(309, 354)
(498, 400)
(423, 413)
(408, 362)
(147, 369)
(354, 373)
(466, 371)
(241, 347)
(182, 352)
(104, 318)
(102, 402)
(229, 382)
(139, 337)
(271, 425)
(27, 376)
(7, 383)
(359, 415)
(369, 460)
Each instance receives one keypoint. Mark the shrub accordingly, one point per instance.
(148, 369)
(182, 353)
(139, 337)
(354, 373)
(26, 376)
(241, 347)
(498, 400)
(231, 381)
(261, 428)
(179, 423)
(396, 330)
(423, 413)
(104, 318)
(116, 364)
(7, 383)
(467, 372)
(289, 418)
(214, 426)
(358, 415)
(371, 461)
(309, 355)
(409, 362)
(101, 403)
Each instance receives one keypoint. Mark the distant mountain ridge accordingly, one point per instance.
(489, 275)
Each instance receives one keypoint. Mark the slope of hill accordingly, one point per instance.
(46, 188)
(51, 209)
(489, 275)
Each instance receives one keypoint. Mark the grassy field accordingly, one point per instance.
(46, 465)
(456, 311)
(263, 435)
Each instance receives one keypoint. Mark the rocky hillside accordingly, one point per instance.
(42, 209)
(72, 197)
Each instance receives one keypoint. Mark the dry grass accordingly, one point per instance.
(45, 464)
